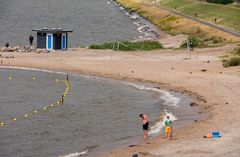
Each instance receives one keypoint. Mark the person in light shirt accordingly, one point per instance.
(168, 128)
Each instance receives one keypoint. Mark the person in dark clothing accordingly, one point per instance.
(31, 39)
(191, 46)
(145, 123)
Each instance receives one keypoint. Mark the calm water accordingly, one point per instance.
(92, 21)
(98, 114)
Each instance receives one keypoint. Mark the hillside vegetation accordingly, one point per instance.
(224, 15)
(174, 25)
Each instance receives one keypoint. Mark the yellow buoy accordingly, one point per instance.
(2, 123)
(10, 78)
(14, 119)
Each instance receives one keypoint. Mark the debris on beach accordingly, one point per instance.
(193, 104)
(213, 134)
(135, 155)
(22, 49)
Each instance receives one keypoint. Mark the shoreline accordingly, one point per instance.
(148, 30)
(154, 132)
(217, 93)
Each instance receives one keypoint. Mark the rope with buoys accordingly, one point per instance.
(45, 108)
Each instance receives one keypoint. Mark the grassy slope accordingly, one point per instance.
(227, 15)
(173, 24)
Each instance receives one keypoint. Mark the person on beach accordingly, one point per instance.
(145, 123)
(31, 39)
(191, 46)
(168, 128)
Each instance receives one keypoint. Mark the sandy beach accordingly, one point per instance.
(215, 89)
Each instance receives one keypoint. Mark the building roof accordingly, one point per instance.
(52, 30)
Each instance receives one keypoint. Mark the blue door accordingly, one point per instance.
(49, 43)
(64, 42)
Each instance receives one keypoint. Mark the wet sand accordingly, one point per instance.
(216, 90)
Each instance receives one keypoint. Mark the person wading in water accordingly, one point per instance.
(145, 123)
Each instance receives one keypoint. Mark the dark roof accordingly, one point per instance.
(52, 30)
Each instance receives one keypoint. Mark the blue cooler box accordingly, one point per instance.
(216, 134)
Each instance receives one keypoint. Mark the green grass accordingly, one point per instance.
(227, 15)
(175, 3)
(129, 46)
(202, 43)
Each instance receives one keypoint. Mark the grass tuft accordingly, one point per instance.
(234, 61)
(129, 46)
(237, 51)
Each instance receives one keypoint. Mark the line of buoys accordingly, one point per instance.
(35, 78)
(45, 108)
(25, 115)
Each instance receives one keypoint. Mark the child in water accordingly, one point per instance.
(168, 128)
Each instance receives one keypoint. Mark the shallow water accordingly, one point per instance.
(93, 21)
(97, 114)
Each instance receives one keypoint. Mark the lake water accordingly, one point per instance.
(98, 114)
(93, 21)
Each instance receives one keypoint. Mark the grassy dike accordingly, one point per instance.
(175, 25)
(226, 15)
